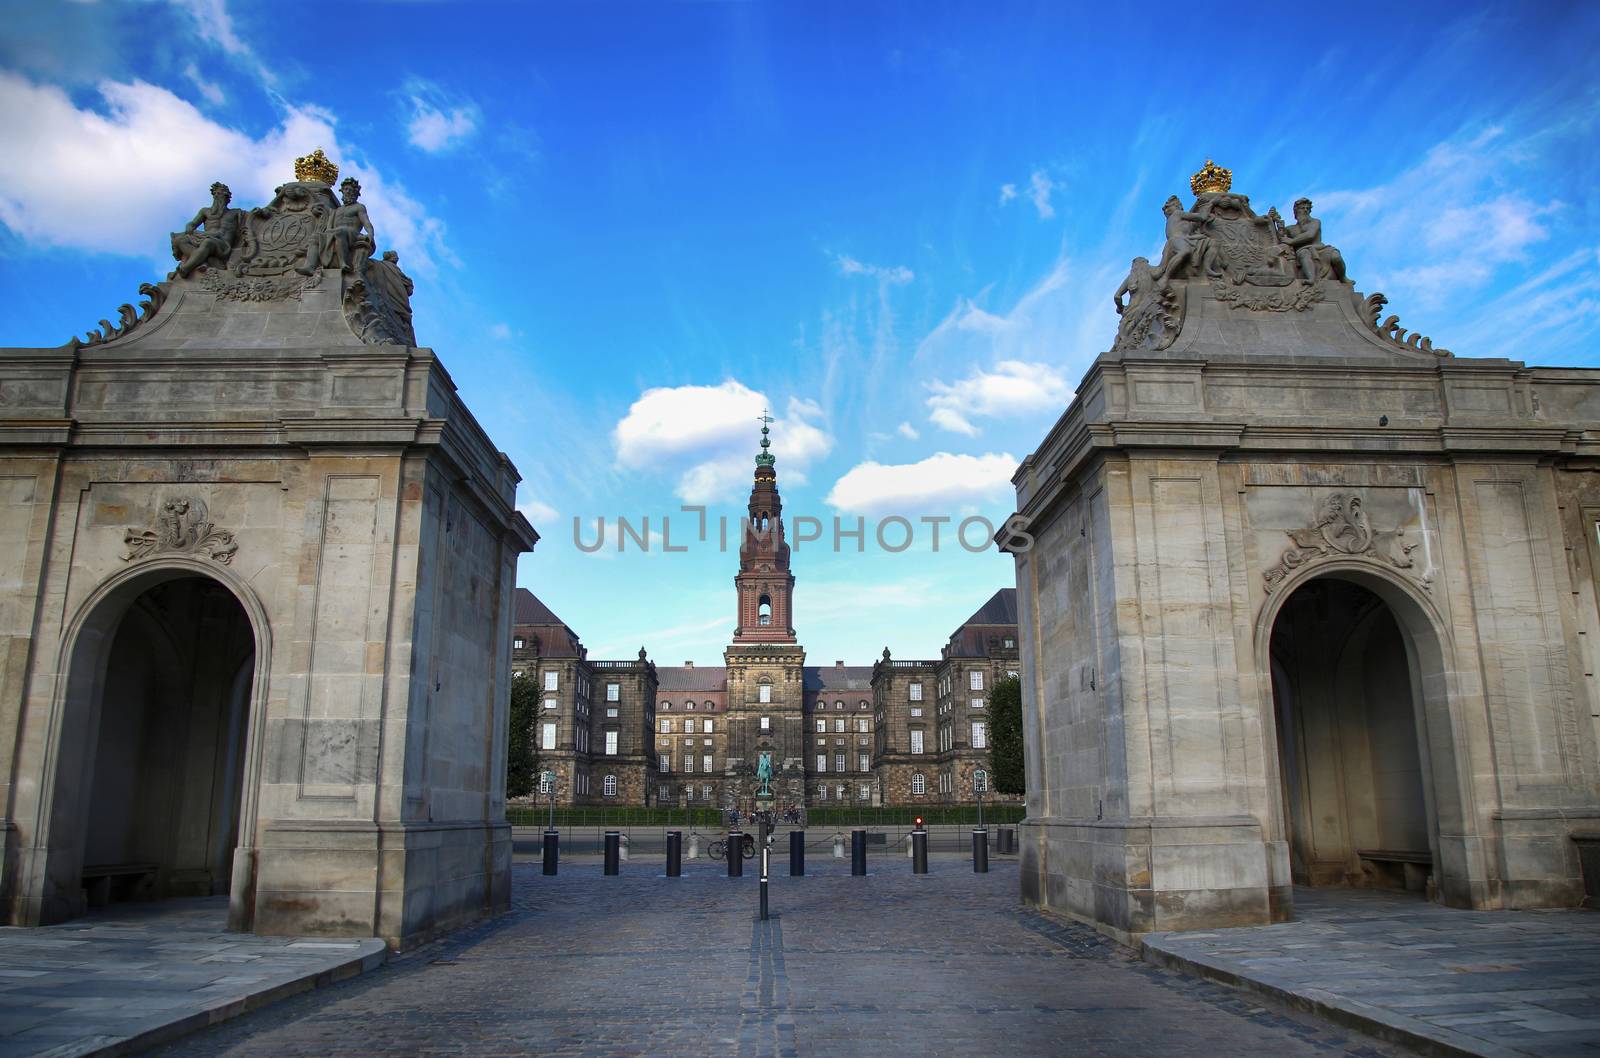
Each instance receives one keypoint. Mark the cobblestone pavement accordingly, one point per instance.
(146, 971)
(890, 964)
(1487, 982)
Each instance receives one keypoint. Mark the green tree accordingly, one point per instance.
(522, 753)
(1005, 736)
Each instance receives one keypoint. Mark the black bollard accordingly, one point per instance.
(980, 851)
(919, 852)
(766, 858)
(858, 853)
(735, 854)
(797, 853)
(552, 850)
(674, 853)
(613, 850)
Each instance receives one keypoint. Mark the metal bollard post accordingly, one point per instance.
(735, 854)
(980, 851)
(766, 856)
(858, 853)
(613, 850)
(919, 852)
(552, 850)
(797, 853)
(674, 853)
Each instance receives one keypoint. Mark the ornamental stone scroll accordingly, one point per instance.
(1341, 529)
(181, 527)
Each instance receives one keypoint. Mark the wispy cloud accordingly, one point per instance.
(907, 431)
(209, 89)
(215, 26)
(1038, 191)
(435, 122)
(892, 274)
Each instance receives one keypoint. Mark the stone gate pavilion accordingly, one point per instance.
(256, 592)
(1304, 599)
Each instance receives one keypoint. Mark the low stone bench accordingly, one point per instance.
(1411, 870)
(99, 880)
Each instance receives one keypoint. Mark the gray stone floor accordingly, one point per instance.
(943, 964)
(139, 973)
(1485, 982)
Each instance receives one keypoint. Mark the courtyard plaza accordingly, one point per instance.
(894, 963)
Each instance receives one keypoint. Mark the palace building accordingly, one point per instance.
(892, 732)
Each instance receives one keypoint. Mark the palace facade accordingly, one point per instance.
(899, 732)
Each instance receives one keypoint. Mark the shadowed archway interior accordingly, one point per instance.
(1345, 696)
(169, 735)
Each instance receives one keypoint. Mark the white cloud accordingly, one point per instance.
(907, 431)
(215, 26)
(893, 274)
(539, 513)
(501, 331)
(1013, 388)
(1007, 193)
(436, 125)
(120, 181)
(940, 482)
(709, 436)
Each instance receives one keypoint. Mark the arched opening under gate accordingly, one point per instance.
(1347, 698)
(153, 760)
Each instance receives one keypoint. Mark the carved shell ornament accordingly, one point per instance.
(1341, 529)
(181, 526)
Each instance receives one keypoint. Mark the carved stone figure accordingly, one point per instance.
(764, 773)
(181, 526)
(1187, 243)
(349, 239)
(378, 303)
(1244, 247)
(1316, 258)
(1341, 528)
(193, 247)
(282, 232)
(1151, 316)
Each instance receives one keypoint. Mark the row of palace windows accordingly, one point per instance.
(689, 705)
(862, 725)
(863, 792)
(919, 782)
(608, 784)
(667, 793)
(689, 725)
(547, 739)
(863, 762)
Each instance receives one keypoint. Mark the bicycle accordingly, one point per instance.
(718, 848)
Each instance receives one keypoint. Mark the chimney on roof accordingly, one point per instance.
(688, 664)
(838, 664)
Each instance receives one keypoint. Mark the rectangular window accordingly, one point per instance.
(613, 692)
(666, 725)
(688, 764)
(861, 724)
(980, 735)
(863, 762)
(766, 723)
(822, 762)
(547, 738)
(915, 691)
(1010, 643)
(705, 762)
(550, 682)
(549, 703)
(864, 792)
(838, 762)
(916, 710)
(822, 725)
(975, 680)
(838, 725)
(822, 793)
(976, 703)
(544, 782)
(916, 741)
(688, 725)
(611, 743)
(611, 713)
(666, 764)
(516, 644)
(705, 793)
(766, 693)
(708, 725)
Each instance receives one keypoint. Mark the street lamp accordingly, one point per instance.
(549, 780)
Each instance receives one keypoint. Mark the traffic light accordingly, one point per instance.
(919, 822)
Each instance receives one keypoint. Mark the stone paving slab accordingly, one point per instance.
(1442, 980)
(947, 964)
(135, 975)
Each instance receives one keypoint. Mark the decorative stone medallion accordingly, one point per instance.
(1341, 529)
(181, 527)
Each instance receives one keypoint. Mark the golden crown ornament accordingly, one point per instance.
(316, 168)
(1212, 178)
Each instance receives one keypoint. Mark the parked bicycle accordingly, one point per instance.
(719, 848)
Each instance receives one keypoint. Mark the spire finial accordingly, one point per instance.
(764, 457)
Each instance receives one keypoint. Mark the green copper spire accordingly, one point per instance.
(764, 458)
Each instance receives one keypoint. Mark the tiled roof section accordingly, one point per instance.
(528, 610)
(831, 678)
(1001, 609)
(690, 678)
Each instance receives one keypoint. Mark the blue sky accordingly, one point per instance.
(633, 226)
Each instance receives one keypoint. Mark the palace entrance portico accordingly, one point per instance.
(255, 609)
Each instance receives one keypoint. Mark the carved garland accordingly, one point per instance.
(181, 527)
(1297, 298)
(1341, 529)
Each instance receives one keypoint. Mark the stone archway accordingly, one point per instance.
(1368, 782)
(153, 771)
